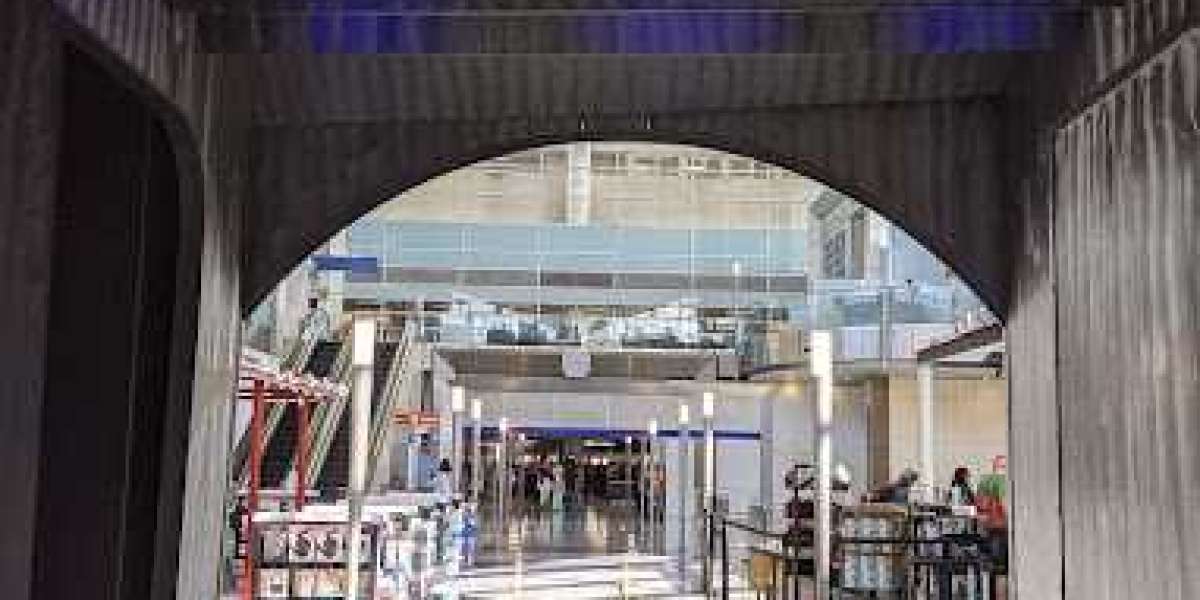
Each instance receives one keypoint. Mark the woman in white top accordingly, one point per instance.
(442, 483)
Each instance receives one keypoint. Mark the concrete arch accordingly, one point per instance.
(932, 168)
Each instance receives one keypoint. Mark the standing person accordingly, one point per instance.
(558, 489)
(545, 489)
(960, 488)
(315, 325)
(442, 484)
(239, 517)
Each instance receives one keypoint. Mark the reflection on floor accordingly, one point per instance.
(596, 552)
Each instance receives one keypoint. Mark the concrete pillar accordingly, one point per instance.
(476, 450)
(457, 405)
(685, 487)
(442, 374)
(822, 371)
(360, 431)
(766, 455)
(414, 464)
(925, 391)
(505, 475)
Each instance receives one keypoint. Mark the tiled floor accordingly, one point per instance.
(592, 553)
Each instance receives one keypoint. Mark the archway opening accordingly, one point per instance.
(582, 294)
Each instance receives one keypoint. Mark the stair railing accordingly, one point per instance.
(294, 360)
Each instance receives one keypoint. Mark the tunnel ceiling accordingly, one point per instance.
(897, 103)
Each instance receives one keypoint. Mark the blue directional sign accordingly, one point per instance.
(353, 264)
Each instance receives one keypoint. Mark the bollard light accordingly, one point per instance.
(709, 405)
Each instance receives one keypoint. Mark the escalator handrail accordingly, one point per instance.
(399, 373)
(325, 419)
(295, 359)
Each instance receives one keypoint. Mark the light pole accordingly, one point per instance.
(363, 361)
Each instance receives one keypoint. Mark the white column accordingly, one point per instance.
(708, 409)
(476, 450)
(822, 371)
(925, 391)
(629, 489)
(458, 402)
(360, 423)
(414, 461)
(505, 483)
(685, 487)
(652, 491)
(766, 455)
(710, 450)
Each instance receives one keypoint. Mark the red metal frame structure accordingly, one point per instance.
(261, 385)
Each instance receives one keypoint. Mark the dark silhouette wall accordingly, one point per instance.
(110, 336)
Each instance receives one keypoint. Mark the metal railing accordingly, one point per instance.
(296, 359)
(325, 418)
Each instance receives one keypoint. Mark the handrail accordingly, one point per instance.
(399, 375)
(325, 418)
(295, 359)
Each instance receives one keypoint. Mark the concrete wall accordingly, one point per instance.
(1102, 331)
(29, 117)
(1129, 357)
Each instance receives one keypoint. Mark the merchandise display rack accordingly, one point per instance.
(308, 560)
(261, 384)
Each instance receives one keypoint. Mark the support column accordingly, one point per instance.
(685, 488)
(766, 456)
(822, 371)
(505, 481)
(458, 401)
(414, 461)
(708, 410)
(629, 489)
(652, 475)
(925, 390)
(476, 450)
(360, 427)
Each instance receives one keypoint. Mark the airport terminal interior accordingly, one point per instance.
(553, 322)
(505, 299)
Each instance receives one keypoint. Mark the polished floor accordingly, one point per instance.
(593, 552)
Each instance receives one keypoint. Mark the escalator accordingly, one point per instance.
(281, 444)
(335, 472)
